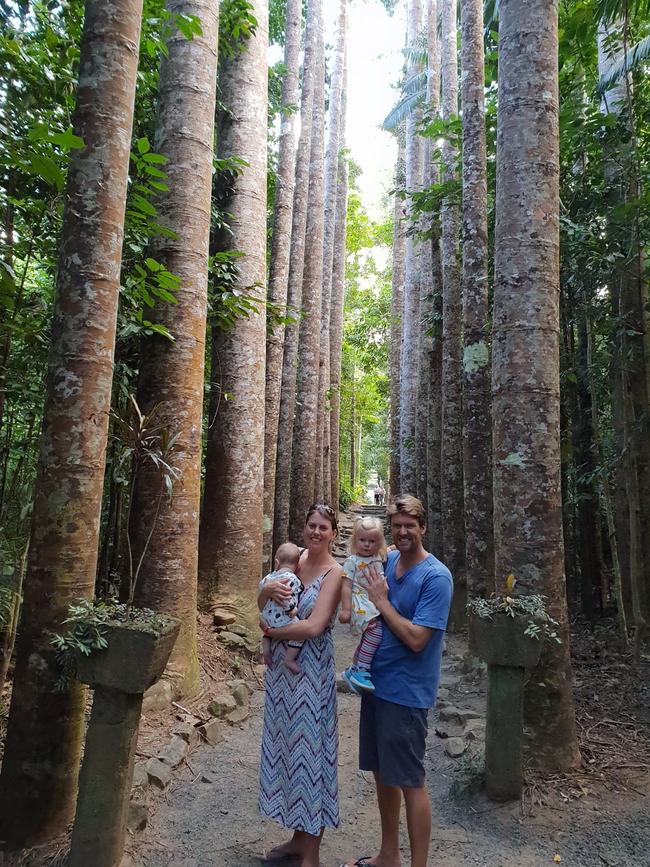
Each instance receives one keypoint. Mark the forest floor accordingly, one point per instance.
(597, 817)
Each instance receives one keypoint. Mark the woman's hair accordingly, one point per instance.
(368, 523)
(324, 511)
(408, 505)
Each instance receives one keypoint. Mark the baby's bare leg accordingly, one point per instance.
(266, 650)
(290, 659)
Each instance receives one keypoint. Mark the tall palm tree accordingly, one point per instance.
(294, 297)
(279, 266)
(230, 552)
(477, 443)
(525, 378)
(171, 374)
(304, 446)
(38, 783)
(451, 478)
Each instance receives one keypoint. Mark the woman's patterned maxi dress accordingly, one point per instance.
(298, 775)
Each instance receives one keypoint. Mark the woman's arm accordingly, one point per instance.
(320, 617)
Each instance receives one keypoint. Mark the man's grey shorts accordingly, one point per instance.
(392, 740)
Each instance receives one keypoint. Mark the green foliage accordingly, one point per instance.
(469, 775)
(88, 624)
(236, 26)
(540, 625)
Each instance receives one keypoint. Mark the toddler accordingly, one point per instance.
(274, 614)
(367, 546)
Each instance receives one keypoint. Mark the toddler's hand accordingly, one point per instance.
(293, 612)
(344, 617)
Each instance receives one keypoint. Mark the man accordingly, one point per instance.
(413, 600)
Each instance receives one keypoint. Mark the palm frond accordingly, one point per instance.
(609, 10)
(415, 84)
(403, 108)
(639, 53)
(415, 55)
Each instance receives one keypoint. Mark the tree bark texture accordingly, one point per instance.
(477, 438)
(452, 367)
(397, 306)
(294, 297)
(409, 353)
(338, 299)
(305, 453)
(526, 398)
(45, 729)
(230, 553)
(172, 374)
(279, 267)
(428, 288)
(323, 486)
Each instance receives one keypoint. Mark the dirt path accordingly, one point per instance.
(216, 824)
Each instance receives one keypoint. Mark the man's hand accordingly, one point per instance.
(376, 585)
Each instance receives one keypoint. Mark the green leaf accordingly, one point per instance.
(143, 145)
(155, 158)
(67, 140)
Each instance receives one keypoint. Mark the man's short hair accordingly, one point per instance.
(405, 504)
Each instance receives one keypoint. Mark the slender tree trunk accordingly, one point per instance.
(305, 453)
(230, 545)
(429, 271)
(452, 365)
(477, 439)
(279, 270)
(338, 300)
(409, 353)
(526, 393)
(296, 269)
(172, 375)
(41, 759)
(397, 308)
(323, 485)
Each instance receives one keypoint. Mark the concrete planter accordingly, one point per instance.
(501, 640)
(134, 659)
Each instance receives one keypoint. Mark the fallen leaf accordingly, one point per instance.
(557, 858)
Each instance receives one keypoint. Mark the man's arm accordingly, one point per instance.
(415, 637)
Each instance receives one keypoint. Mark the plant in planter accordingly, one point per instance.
(507, 633)
(120, 651)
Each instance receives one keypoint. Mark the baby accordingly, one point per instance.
(367, 546)
(274, 614)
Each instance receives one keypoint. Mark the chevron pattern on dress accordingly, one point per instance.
(298, 772)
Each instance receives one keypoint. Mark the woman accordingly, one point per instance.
(298, 780)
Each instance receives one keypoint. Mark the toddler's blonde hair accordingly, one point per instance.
(367, 522)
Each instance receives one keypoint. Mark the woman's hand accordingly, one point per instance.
(376, 585)
(278, 590)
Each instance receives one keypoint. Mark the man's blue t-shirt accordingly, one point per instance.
(423, 596)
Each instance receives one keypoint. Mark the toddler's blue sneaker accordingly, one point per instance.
(347, 677)
(360, 678)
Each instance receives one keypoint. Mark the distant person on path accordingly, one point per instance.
(298, 774)
(382, 493)
(413, 600)
(367, 547)
(276, 614)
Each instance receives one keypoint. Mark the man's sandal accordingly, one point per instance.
(364, 861)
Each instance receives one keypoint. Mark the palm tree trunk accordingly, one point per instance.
(397, 308)
(230, 544)
(41, 760)
(338, 298)
(526, 392)
(477, 440)
(323, 485)
(452, 368)
(172, 374)
(409, 356)
(305, 452)
(279, 270)
(294, 299)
